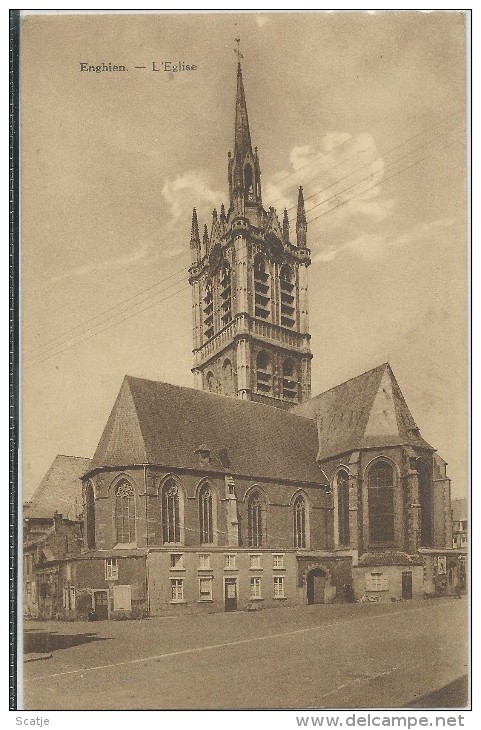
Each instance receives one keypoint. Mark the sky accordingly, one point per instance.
(365, 110)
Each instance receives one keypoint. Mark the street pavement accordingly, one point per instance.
(320, 656)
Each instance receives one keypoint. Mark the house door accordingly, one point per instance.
(101, 605)
(407, 585)
(230, 594)
(316, 585)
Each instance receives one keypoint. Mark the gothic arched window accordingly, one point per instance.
(124, 513)
(300, 522)
(225, 291)
(170, 512)
(342, 483)
(381, 503)
(228, 378)
(288, 297)
(210, 381)
(289, 380)
(262, 288)
(248, 183)
(263, 373)
(425, 500)
(90, 515)
(208, 310)
(255, 520)
(206, 515)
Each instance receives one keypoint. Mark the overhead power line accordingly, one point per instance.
(61, 349)
(106, 311)
(34, 353)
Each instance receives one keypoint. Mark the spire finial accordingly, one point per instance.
(285, 227)
(242, 136)
(301, 223)
(194, 232)
(237, 51)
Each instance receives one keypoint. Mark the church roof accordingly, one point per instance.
(60, 490)
(166, 425)
(366, 411)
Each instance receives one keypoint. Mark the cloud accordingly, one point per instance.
(119, 262)
(344, 171)
(373, 245)
(188, 190)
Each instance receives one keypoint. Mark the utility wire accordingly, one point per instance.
(94, 334)
(108, 319)
(372, 174)
(106, 311)
(33, 352)
(185, 287)
(36, 352)
(344, 202)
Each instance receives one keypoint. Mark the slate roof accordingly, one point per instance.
(60, 490)
(366, 411)
(162, 424)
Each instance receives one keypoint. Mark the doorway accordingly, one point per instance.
(316, 586)
(101, 605)
(230, 594)
(407, 585)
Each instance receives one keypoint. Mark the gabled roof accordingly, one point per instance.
(60, 490)
(363, 412)
(162, 424)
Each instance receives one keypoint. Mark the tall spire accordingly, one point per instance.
(242, 137)
(195, 238)
(301, 222)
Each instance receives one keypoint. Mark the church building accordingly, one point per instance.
(246, 491)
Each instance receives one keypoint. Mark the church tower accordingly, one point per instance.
(249, 288)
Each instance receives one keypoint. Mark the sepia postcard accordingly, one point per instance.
(244, 362)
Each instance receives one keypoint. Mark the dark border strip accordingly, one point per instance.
(14, 344)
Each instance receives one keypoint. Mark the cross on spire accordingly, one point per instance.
(237, 50)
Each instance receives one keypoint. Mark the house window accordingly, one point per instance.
(177, 590)
(90, 515)
(170, 512)
(205, 589)
(279, 586)
(263, 373)
(254, 520)
(124, 513)
(342, 480)
(176, 561)
(205, 515)
(255, 562)
(381, 503)
(256, 588)
(278, 561)
(111, 569)
(300, 522)
(204, 561)
(122, 596)
(229, 562)
(377, 581)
